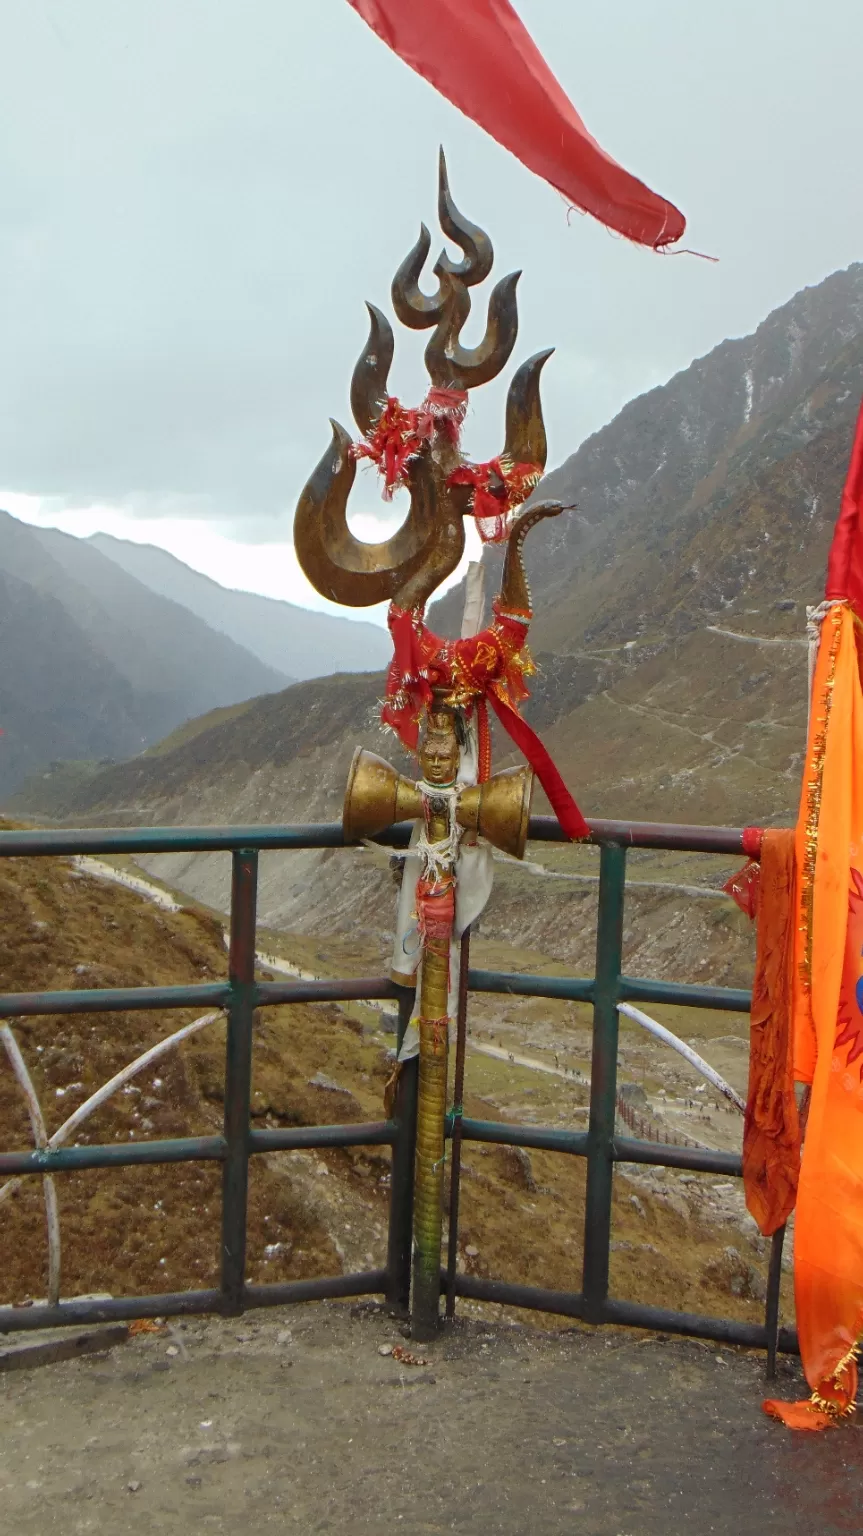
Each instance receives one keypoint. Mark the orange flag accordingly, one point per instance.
(771, 1131)
(828, 1019)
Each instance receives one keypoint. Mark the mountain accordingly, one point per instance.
(671, 626)
(658, 489)
(296, 640)
(96, 665)
(674, 598)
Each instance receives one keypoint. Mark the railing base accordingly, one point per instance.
(627, 1314)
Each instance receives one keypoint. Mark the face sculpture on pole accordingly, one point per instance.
(438, 691)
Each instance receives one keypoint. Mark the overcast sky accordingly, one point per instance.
(196, 196)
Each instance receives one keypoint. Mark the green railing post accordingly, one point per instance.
(238, 1077)
(603, 1080)
(400, 1238)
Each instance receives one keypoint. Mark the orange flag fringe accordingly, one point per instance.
(771, 1133)
(828, 1032)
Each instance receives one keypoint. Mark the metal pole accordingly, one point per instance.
(771, 1311)
(603, 1080)
(433, 1023)
(457, 1117)
(238, 1077)
(400, 1237)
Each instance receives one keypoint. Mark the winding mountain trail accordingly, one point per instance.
(736, 634)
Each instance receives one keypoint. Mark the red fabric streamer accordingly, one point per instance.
(845, 561)
(499, 486)
(480, 56)
(528, 743)
(485, 668)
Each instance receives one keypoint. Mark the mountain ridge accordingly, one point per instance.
(300, 641)
(96, 665)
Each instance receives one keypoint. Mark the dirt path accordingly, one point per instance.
(736, 634)
(296, 1422)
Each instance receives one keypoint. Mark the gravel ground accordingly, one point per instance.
(303, 1420)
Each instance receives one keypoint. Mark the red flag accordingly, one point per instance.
(845, 562)
(480, 56)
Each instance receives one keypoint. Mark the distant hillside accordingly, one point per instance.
(675, 597)
(668, 472)
(295, 640)
(95, 664)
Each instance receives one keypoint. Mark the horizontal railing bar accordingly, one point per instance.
(625, 1150)
(114, 999)
(206, 995)
(665, 1155)
(37, 842)
(336, 991)
(577, 989)
(193, 1149)
(536, 1297)
(375, 1133)
(110, 1309)
(724, 1330)
(539, 1137)
(574, 989)
(370, 1282)
(330, 834)
(187, 1149)
(633, 989)
(647, 834)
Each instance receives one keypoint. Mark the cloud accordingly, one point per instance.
(198, 198)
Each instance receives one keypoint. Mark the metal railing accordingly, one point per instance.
(240, 995)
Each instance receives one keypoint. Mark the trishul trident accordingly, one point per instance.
(434, 686)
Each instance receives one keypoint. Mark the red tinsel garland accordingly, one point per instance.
(499, 486)
(400, 432)
(488, 668)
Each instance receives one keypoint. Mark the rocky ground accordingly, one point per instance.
(306, 1420)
